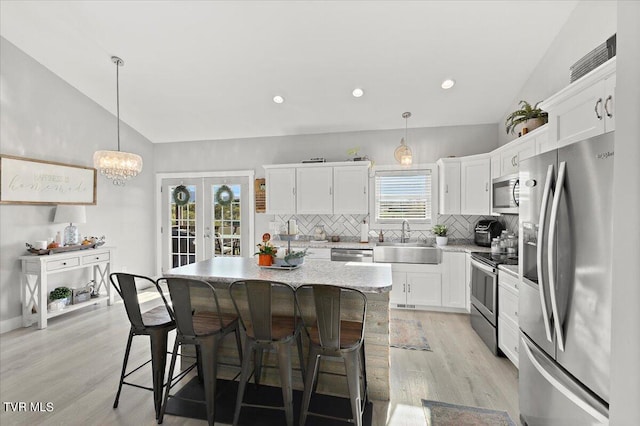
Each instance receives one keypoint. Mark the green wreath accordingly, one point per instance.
(224, 195)
(181, 195)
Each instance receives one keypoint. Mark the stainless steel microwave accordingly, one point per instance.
(506, 194)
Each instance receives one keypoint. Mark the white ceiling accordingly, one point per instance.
(203, 70)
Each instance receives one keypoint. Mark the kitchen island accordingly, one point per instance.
(373, 279)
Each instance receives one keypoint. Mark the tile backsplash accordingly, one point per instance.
(460, 226)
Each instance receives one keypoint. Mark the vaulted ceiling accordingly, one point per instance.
(206, 70)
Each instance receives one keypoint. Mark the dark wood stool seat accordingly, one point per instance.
(350, 334)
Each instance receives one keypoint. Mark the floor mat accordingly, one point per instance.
(408, 334)
(265, 395)
(442, 414)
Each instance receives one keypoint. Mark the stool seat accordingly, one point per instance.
(350, 334)
(281, 326)
(157, 317)
(208, 322)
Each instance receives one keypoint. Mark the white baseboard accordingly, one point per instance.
(10, 324)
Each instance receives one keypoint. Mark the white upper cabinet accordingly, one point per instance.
(351, 190)
(327, 188)
(449, 186)
(583, 109)
(281, 190)
(314, 190)
(475, 174)
(512, 153)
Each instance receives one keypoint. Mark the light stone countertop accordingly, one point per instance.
(509, 269)
(366, 277)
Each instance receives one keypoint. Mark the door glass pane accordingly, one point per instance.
(183, 229)
(226, 219)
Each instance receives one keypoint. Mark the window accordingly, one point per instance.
(403, 194)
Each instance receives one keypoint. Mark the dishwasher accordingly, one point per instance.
(352, 255)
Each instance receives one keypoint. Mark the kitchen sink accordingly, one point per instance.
(411, 252)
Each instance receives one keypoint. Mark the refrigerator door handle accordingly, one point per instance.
(601, 418)
(552, 254)
(539, 258)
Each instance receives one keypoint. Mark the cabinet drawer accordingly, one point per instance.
(63, 263)
(508, 340)
(95, 258)
(505, 279)
(508, 306)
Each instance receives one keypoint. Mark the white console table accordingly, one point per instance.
(34, 281)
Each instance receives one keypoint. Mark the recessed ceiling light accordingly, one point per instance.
(357, 93)
(448, 83)
(278, 99)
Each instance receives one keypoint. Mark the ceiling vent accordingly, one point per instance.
(594, 59)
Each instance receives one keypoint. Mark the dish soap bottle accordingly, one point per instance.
(381, 237)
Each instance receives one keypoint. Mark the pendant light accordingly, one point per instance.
(117, 165)
(403, 152)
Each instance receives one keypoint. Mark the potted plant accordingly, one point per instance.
(441, 234)
(266, 251)
(529, 116)
(60, 297)
(294, 258)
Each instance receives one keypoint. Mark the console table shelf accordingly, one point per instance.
(37, 269)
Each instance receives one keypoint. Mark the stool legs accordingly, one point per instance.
(354, 369)
(209, 351)
(284, 366)
(310, 381)
(124, 369)
(244, 378)
(158, 364)
(168, 390)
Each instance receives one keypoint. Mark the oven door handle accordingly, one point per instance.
(552, 255)
(483, 267)
(540, 245)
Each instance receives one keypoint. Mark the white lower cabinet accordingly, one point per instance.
(508, 340)
(416, 286)
(441, 287)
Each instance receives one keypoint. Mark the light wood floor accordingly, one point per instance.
(74, 364)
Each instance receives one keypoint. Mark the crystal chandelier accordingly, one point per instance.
(117, 165)
(403, 153)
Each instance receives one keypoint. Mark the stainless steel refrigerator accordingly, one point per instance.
(565, 299)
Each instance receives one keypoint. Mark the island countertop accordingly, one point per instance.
(366, 277)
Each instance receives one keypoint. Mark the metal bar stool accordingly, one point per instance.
(254, 300)
(332, 335)
(155, 323)
(201, 324)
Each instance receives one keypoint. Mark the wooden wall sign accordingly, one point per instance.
(261, 195)
(29, 181)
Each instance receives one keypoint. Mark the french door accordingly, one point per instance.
(203, 217)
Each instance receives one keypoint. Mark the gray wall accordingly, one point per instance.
(43, 117)
(427, 144)
(590, 24)
(625, 339)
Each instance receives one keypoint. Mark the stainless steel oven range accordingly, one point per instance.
(484, 296)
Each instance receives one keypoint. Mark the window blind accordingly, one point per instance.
(403, 195)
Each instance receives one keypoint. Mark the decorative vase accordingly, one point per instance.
(442, 241)
(265, 260)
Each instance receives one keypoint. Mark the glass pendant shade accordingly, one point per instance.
(117, 165)
(403, 154)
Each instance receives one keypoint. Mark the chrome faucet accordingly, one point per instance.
(406, 234)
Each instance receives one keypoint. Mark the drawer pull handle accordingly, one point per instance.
(97, 257)
(64, 263)
(515, 348)
(516, 313)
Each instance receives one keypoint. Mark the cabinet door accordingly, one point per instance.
(424, 288)
(496, 168)
(351, 190)
(509, 161)
(314, 190)
(454, 285)
(579, 117)
(398, 288)
(467, 280)
(609, 103)
(475, 187)
(508, 341)
(281, 190)
(449, 187)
